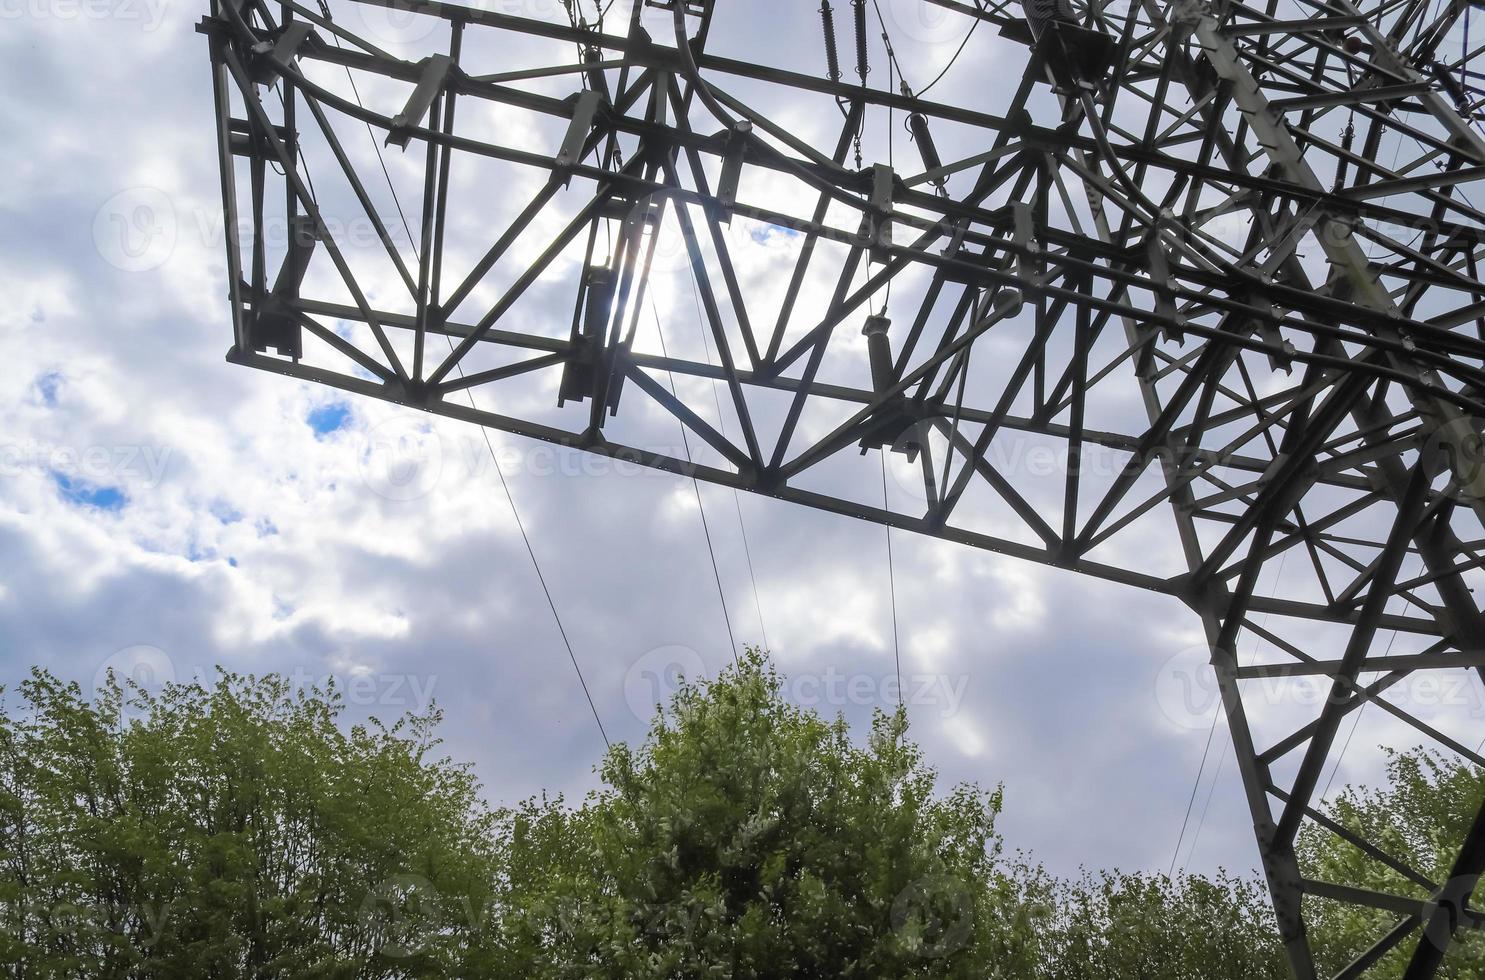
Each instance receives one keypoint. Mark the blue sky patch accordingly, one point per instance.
(46, 387)
(328, 418)
(83, 494)
(766, 234)
(224, 512)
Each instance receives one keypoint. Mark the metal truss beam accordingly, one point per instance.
(1218, 262)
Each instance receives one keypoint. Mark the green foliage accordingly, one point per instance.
(231, 831)
(750, 838)
(239, 830)
(1419, 816)
(1152, 927)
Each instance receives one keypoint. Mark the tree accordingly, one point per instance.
(238, 830)
(749, 838)
(1152, 927)
(1419, 816)
(232, 831)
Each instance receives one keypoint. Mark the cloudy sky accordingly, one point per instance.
(162, 510)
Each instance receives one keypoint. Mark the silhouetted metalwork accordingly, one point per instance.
(1218, 263)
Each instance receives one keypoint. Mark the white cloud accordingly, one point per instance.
(248, 541)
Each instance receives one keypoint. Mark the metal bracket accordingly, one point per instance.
(430, 84)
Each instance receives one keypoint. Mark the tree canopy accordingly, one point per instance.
(1418, 816)
(750, 838)
(234, 830)
(240, 829)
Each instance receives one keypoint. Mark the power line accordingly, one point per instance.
(894, 73)
(722, 423)
(1222, 758)
(1205, 808)
(748, 554)
(892, 584)
(696, 486)
(1211, 733)
(469, 393)
(1356, 723)
(1195, 788)
(939, 77)
(530, 551)
(892, 53)
(299, 151)
(887, 42)
(525, 538)
(381, 160)
(1361, 710)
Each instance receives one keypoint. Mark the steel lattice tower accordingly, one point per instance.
(1221, 258)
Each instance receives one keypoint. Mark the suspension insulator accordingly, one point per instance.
(592, 58)
(1450, 83)
(879, 351)
(1340, 164)
(863, 68)
(918, 123)
(832, 55)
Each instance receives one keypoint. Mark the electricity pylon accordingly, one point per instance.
(1217, 263)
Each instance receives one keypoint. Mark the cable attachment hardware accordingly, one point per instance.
(876, 222)
(734, 150)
